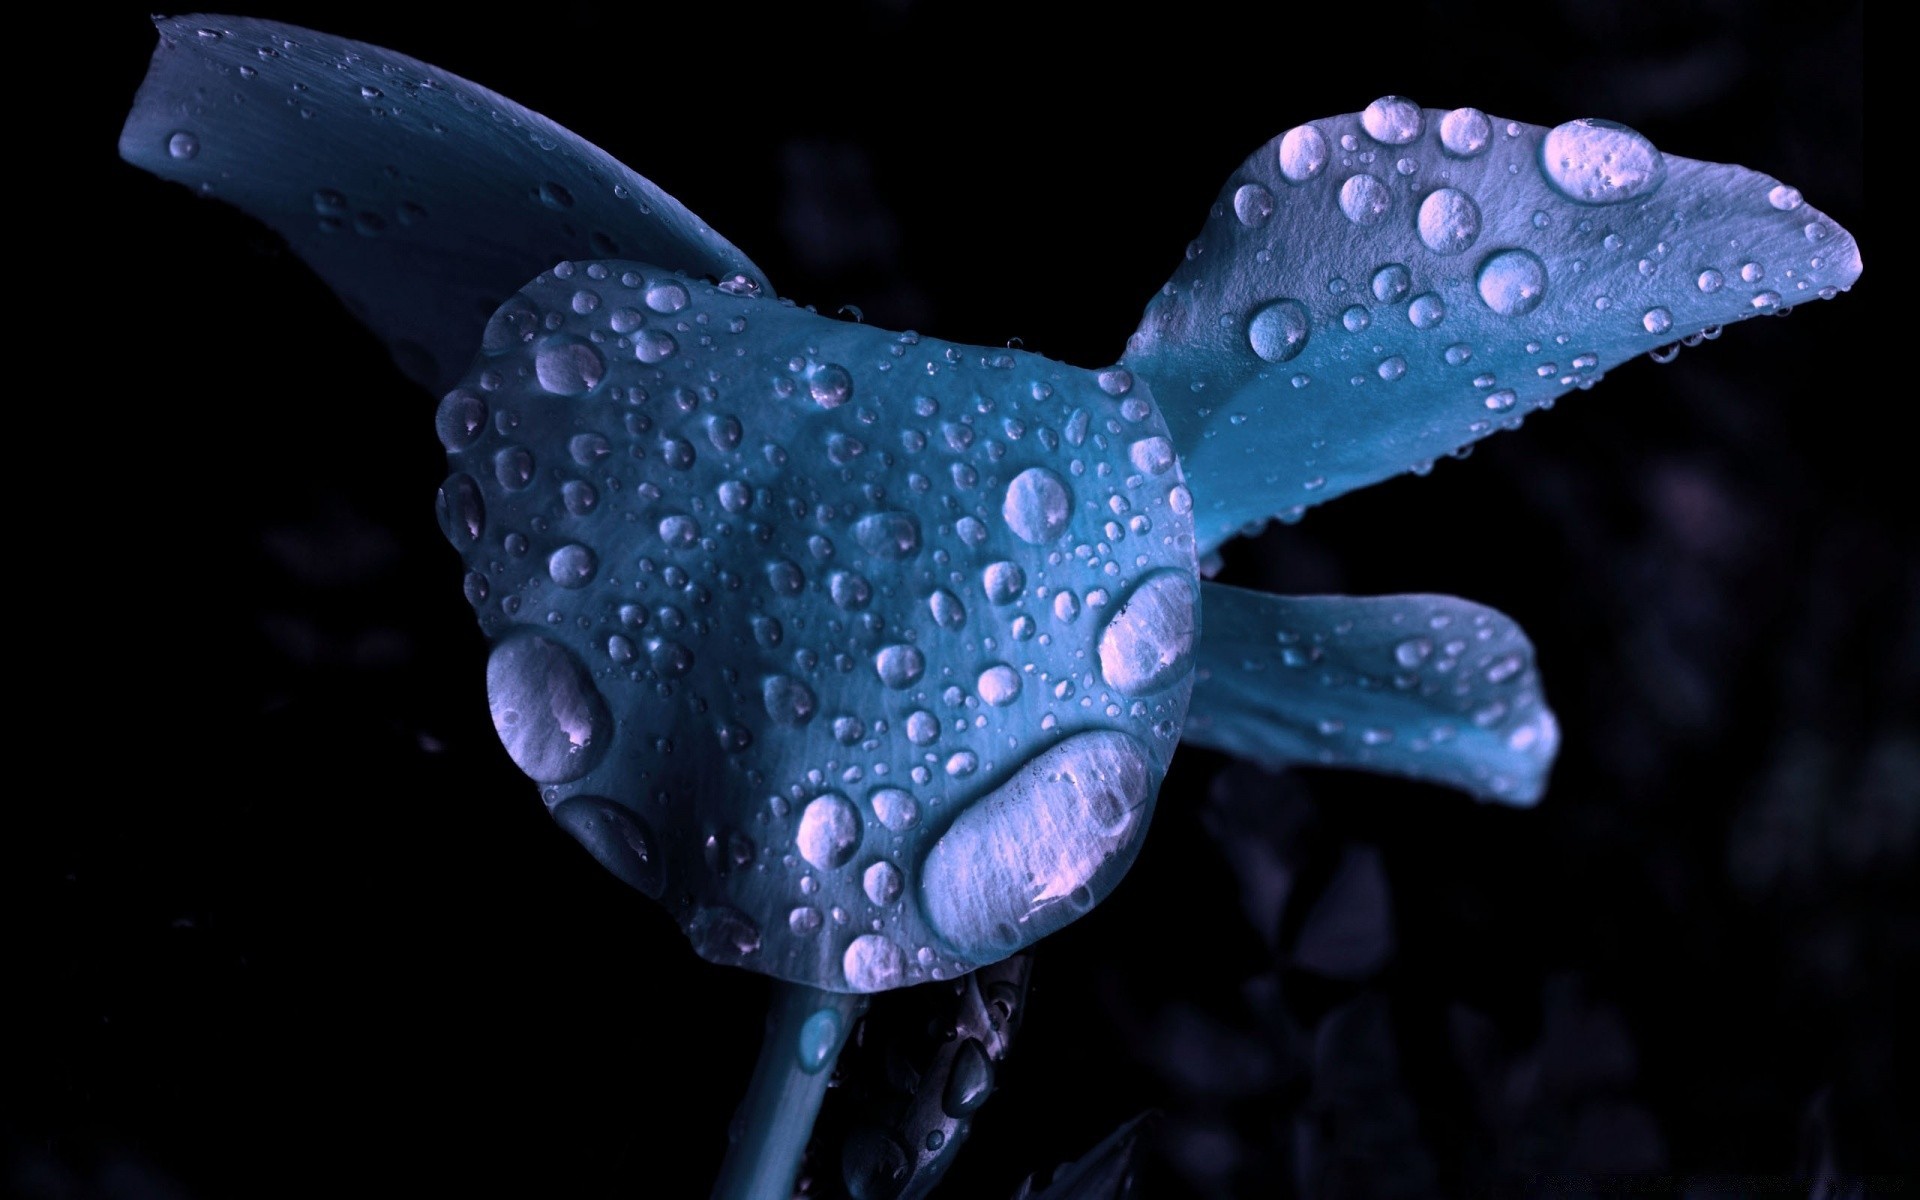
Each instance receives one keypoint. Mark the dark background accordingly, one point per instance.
(294, 925)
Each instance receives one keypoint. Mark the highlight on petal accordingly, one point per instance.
(1432, 687)
(1372, 293)
(422, 199)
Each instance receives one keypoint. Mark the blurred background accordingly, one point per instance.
(292, 923)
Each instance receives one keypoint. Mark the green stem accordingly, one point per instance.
(805, 1029)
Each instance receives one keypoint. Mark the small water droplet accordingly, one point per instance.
(1253, 204)
(1278, 330)
(1512, 282)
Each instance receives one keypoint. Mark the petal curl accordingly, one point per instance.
(1431, 687)
(1376, 290)
(422, 199)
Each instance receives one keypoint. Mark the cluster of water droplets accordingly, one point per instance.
(1418, 278)
(863, 651)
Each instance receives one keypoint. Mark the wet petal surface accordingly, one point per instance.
(1432, 687)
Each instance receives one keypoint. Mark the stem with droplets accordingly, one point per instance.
(805, 1029)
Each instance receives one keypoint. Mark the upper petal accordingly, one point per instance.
(1375, 290)
(424, 200)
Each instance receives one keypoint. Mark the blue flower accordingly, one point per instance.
(866, 652)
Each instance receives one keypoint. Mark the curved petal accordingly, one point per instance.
(1432, 687)
(1376, 290)
(422, 199)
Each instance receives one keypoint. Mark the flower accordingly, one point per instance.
(867, 652)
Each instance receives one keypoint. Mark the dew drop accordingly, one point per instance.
(1038, 506)
(1600, 162)
(1449, 221)
(1393, 120)
(1278, 330)
(999, 685)
(1465, 132)
(829, 831)
(873, 964)
(1303, 154)
(1253, 204)
(1512, 282)
(1365, 199)
(568, 367)
(546, 711)
(1148, 642)
(899, 666)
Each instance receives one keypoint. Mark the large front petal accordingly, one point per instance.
(424, 200)
(1432, 687)
(1376, 290)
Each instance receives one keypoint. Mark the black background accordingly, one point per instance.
(293, 924)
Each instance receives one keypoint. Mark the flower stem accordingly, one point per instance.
(805, 1030)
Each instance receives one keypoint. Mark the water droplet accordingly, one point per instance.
(787, 700)
(1657, 320)
(461, 419)
(1449, 221)
(462, 514)
(1391, 282)
(830, 385)
(882, 883)
(1501, 400)
(550, 718)
(819, 1033)
(1151, 456)
(999, 684)
(1365, 199)
(1303, 154)
(922, 728)
(1115, 381)
(1278, 330)
(621, 841)
(1392, 368)
(893, 808)
(1356, 319)
(1006, 871)
(1003, 582)
(1784, 198)
(666, 297)
(1512, 282)
(654, 345)
(1148, 641)
(1465, 132)
(1393, 120)
(723, 934)
(568, 367)
(1038, 506)
(891, 535)
(1426, 310)
(572, 566)
(899, 666)
(873, 964)
(829, 831)
(805, 920)
(183, 145)
(1600, 162)
(1710, 281)
(553, 195)
(1253, 204)
(947, 610)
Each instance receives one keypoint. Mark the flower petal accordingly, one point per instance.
(1376, 290)
(422, 199)
(1432, 687)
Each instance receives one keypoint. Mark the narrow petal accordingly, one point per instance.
(1376, 290)
(422, 199)
(1432, 687)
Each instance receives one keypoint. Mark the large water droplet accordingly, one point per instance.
(999, 684)
(550, 718)
(819, 1039)
(1426, 310)
(461, 420)
(1003, 582)
(1151, 456)
(461, 511)
(829, 831)
(1148, 642)
(1391, 282)
(1465, 132)
(830, 385)
(1278, 330)
(1512, 282)
(1393, 120)
(1303, 154)
(568, 367)
(890, 535)
(1449, 221)
(1006, 871)
(882, 883)
(1600, 162)
(620, 841)
(899, 666)
(874, 964)
(1038, 506)
(572, 566)
(969, 1082)
(1365, 199)
(1253, 204)
(787, 700)
(894, 808)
